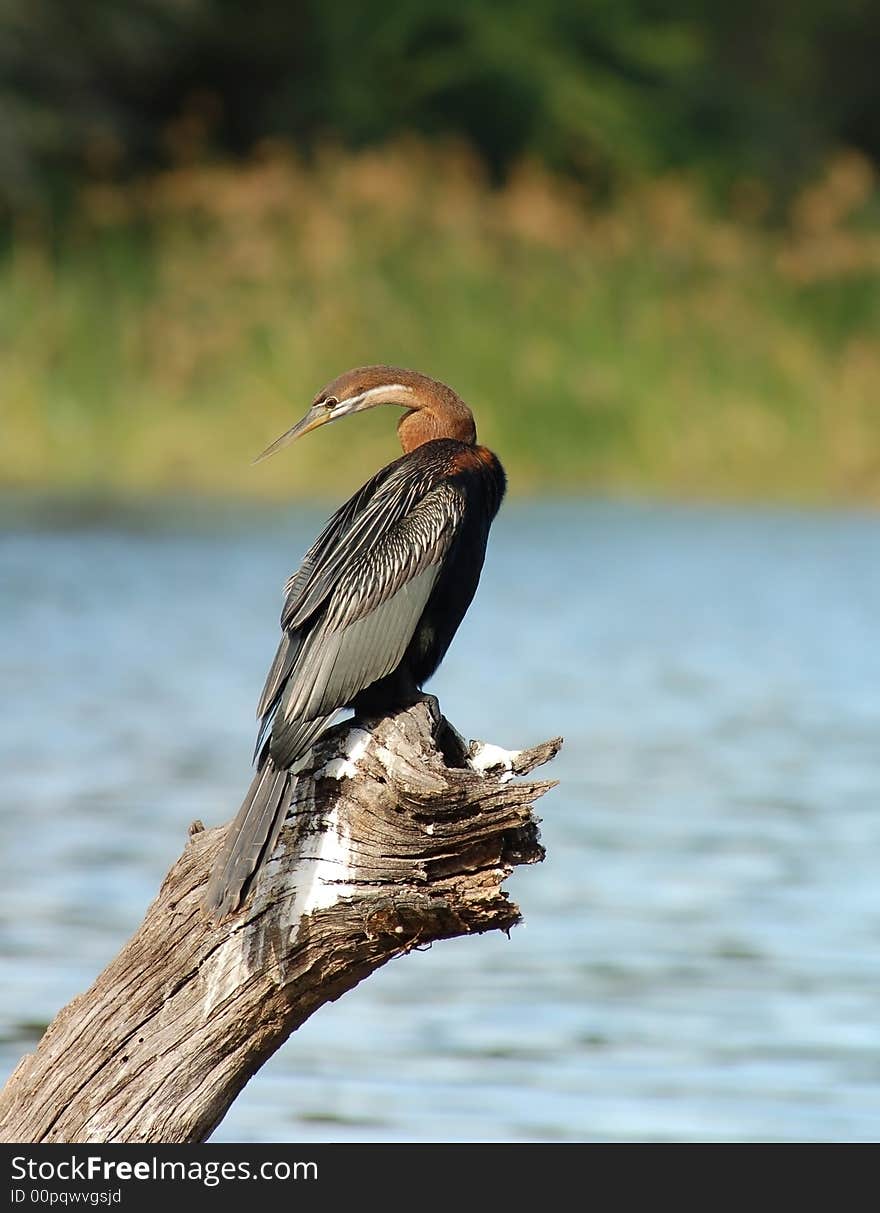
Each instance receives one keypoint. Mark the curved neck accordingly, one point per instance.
(448, 417)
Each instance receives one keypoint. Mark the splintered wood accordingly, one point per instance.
(400, 834)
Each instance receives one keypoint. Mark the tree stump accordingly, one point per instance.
(399, 834)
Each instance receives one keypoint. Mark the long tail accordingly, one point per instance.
(250, 839)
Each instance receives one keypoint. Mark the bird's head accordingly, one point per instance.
(366, 386)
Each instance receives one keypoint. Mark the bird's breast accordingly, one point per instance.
(474, 459)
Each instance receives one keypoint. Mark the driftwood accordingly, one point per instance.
(400, 834)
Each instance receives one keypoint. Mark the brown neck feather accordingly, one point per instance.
(441, 415)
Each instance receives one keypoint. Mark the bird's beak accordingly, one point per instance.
(320, 414)
(317, 415)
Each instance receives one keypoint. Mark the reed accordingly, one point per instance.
(655, 346)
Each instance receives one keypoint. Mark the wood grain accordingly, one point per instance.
(394, 840)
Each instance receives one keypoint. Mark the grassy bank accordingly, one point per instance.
(174, 329)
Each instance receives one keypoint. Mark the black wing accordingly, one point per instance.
(345, 530)
(354, 604)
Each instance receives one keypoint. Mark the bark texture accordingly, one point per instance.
(400, 834)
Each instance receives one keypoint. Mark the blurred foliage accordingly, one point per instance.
(561, 208)
(601, 89)
(176, 326)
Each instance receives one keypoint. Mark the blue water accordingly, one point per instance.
(701, 954)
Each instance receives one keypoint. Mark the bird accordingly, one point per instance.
(374, 605)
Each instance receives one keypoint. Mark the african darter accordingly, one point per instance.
(371, 611)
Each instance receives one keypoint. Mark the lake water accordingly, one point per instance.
(700, 959)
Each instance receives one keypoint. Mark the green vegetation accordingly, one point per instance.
(654, 345)
(625, 232)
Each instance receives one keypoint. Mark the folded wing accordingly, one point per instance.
(353, 606)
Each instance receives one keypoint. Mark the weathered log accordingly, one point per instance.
(400, 834)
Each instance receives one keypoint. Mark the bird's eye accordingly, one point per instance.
(329, 402)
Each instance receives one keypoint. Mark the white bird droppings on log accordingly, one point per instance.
(488, 757)
(356, 744)
(320, 875)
